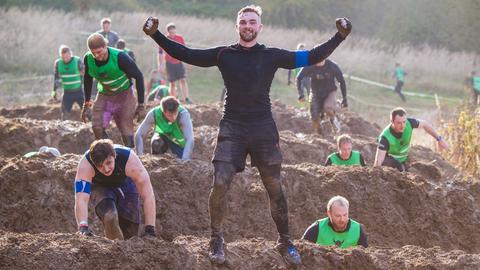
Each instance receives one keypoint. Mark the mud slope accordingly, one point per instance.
(397, 209)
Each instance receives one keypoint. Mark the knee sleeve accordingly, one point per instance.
(106, 210)
(223, 174)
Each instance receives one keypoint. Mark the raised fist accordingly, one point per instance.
(344, 26)
(150, 26)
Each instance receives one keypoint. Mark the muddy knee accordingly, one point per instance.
(107, 212)
(99, 133)
(158, 146)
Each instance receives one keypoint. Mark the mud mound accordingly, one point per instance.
(39, 112)
(286, 117)
(397, 209)
(66, 251)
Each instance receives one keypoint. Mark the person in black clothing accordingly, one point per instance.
(322, 99)
(337, 229)
(121, 45)
(247, 126)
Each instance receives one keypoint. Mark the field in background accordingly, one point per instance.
(29, 49)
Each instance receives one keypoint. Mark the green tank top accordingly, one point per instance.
(171, 130)
(400, 74)
(111, 79)
(476, 83)
(353, 160)
(328, 237)
(69, 74)
(398, 148)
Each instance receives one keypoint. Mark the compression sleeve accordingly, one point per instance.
(414, 122)
(363, 241)
(362, 161)
(128, 66)
(328, 162)
(87, 81)
(56, 76)
(303, 72)
(383, 144)
(341, 80)
(197, 57)
(311, 233)
(143, 129)
(186, 125)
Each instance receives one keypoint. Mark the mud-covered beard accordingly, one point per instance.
(248, 36)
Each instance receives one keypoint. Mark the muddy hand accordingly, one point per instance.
(344, 26)
(86, 111)
(150, 26)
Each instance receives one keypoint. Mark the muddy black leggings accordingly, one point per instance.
(270, 175)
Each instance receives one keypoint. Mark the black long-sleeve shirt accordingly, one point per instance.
(247, 72)
(127, 65)
(323, 79)
(311, 234)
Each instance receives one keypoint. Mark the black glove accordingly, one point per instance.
(84, 230)
(344, 26)
(344, 103)
(86, 111)
(140, 112)
(150, 26)
(150, 231)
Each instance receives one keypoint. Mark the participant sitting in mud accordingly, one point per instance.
(394, 141)
(247, 126)
(323, 91)
(113, 177)
(68, 71)
(337, 229)
(44, 151)
(345, 156)
(173, 129)
(113, 69)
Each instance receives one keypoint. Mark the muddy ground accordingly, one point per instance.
(425, 219)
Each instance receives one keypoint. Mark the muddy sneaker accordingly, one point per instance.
(216, 253)
(289, 253)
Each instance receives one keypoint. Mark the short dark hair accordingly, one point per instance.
(121, 44)
(170, 104)
(397, 111)
(344, 138)
(251, 8)
(101, 150)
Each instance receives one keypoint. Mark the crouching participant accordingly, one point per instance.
(173, 129)
(114, 178)
(337, 229)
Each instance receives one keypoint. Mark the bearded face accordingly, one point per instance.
(248, 26)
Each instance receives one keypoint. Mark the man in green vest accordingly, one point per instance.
(68, 72)
(173, 129)
(475, 85)
(399, 74)
(337, 229)
(345, 156)
(394, 141)
(122, 46)
(114, 70)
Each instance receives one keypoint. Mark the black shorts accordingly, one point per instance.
(237, 139)
(175, 72)
(71, 97)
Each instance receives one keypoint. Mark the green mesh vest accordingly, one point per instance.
(328, 237)
(171, 130)
(70, 74)
(400, 74)
(111, 79)
(398, 148)
(353, 160)
(476, 83)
